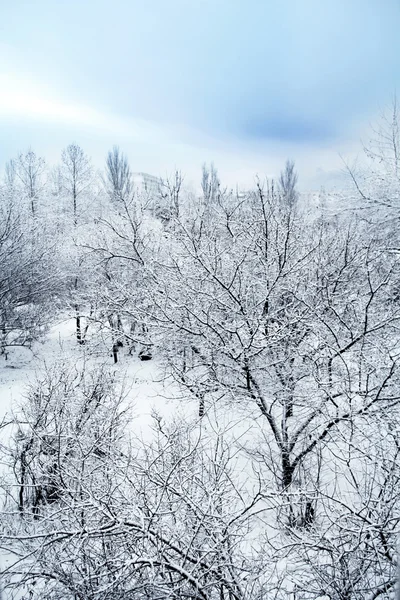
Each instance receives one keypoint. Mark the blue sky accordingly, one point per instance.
(246, 82)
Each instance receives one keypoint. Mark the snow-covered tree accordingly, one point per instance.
(103, 515)
(29, 278)
(275, 316)
(118, 177)
(76, 175)
(29, 169)
(287, 184)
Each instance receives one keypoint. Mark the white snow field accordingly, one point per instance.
(142, 382)
(146, 390)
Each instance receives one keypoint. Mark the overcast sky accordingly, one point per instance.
(176, 82)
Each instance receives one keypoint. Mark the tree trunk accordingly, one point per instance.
(115, 353)
(78, 326)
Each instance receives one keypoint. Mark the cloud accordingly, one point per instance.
(32, 102)
(247, 70)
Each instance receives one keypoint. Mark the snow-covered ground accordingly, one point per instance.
(143, 381)
(146, 389)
